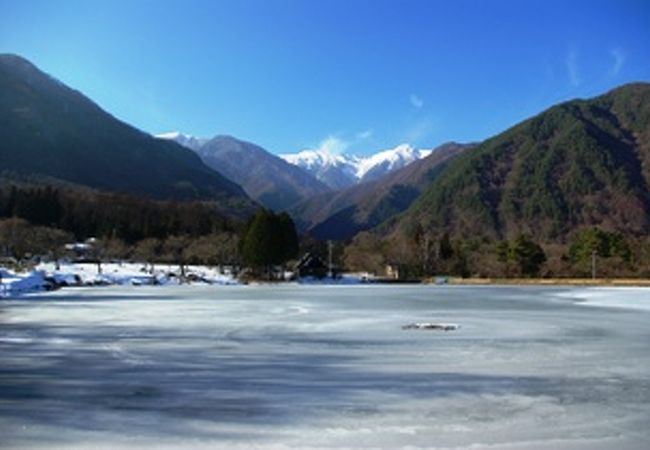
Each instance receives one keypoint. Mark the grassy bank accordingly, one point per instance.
(644, 282)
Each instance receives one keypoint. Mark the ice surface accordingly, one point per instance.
(306, 367)
(621, 297)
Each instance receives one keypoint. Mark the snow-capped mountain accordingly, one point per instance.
(336, 171)
(379, 164)
(340, 171)
(185, 140)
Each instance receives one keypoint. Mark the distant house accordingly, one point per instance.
(311, 266)
(392, 271)
(81, 250)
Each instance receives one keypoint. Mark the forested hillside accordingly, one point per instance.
(581, 163)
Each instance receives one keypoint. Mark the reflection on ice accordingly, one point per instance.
(317, 367)
(625, 298)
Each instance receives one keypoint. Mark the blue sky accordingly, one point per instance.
(352, 75)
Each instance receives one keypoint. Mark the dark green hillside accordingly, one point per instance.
(581, 163)
(87, 213)
(51, 130)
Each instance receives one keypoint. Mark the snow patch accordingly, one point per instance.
(390, 160)
(12, 284)
(318, 162)
(47, 275)
(186, 140)
(636, 298)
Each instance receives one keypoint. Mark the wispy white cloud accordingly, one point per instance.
(333, 145)
(572, 67)
(336, 145)
(416, 101)
(618, 57)
(365, 134)
(420, 130)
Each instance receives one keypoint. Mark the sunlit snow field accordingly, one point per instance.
(300, 367)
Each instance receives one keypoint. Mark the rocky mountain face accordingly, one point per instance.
(266, 178)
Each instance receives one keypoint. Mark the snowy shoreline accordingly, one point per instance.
(46, 276)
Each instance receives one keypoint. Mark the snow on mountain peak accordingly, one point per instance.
(322, 163)
(329, 163)
(389, 160)
(170, 135)
(310, 159)
(185, 140)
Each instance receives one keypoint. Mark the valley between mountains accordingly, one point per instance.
(578, 166)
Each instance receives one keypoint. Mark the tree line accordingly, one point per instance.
(39, 220)
(420, 254)
(86, 213)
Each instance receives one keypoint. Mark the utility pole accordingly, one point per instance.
(593, 264)
(425, 253)
(329, 259)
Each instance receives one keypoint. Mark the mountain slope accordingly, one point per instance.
(342, 214)
(581, 163)
(265, 177)
(51, 130)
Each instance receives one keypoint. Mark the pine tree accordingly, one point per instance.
(269, 240)
(526, 255)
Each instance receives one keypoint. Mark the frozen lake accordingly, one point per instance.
(302, 367)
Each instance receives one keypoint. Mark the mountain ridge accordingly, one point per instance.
(342, 214)
(264, 176)
(584, 162)
(186, 140)
(54, 130)
(341, 171)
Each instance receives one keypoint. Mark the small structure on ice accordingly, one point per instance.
(431, 326)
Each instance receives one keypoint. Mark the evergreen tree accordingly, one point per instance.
(269, 240)
(289, 237)
(611, 250)
(526, 255)
(445, 249)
